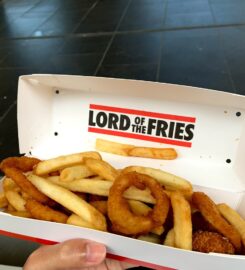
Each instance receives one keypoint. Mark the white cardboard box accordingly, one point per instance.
(61, 114)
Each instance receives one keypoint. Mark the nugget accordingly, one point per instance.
(204, 241)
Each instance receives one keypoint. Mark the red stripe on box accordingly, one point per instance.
(138, 263)
(143, 113)
(28, 238)
(139, 136)
(109, 256)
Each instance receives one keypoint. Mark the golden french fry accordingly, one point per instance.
(139, 208)
(168, 180)
(155, 153)
(96, 177)
(182, 221)
(133, 193)
(75, 173)
(78, 221)
(3, 201)
(9, 184)
(101, 187)
(113, 147)
(152, 238)
(97, 187)
(169, 240)
(69, 200)
(233, 218)
(101, 168)
(61, 162)
(23, 214)
(15, 199)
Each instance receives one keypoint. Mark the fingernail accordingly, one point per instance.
(95, 253)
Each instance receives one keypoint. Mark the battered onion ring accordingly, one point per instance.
(43, 212)
(211, 213)
(14, 167)
(123, 220)
(24, 164)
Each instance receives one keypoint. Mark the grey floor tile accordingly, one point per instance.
(140, 48)
(194, 57)
(146, 72)
(144, 15)
(233, 40)
(228, 12)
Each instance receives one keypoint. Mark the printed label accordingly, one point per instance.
(142, 125)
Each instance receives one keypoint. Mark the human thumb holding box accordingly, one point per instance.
(72, 254)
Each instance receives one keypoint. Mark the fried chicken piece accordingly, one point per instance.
(211, 213)
(204, 241)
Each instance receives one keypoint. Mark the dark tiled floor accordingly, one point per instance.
(192, 42)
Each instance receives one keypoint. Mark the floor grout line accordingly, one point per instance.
(161, 45)
(112, 38)
(82, 19)
(233, 85)
(86, 15)
(164, 29)
(7, 111)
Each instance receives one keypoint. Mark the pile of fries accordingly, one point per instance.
(78, 187)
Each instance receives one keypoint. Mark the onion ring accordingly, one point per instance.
(211, 213)
(14, 167)
(119, 213)
(23, 163)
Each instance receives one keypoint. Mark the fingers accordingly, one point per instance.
(116, 265)
(72, 254)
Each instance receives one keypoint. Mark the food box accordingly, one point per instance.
(61, 114)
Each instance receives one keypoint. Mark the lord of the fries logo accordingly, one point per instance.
(142, 125)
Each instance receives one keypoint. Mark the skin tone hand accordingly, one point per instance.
(73, 254)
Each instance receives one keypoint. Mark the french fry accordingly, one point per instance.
(78, 221)
(15, 199)
(169, 239)
(133, 193)
(113, 147)
(168, 180)
(155, 153)
(61, 162)
(152, 238)
(75, 173)
(3, 201)
(101, 168)
(101, 187)
(182, 221)
(97, 187)
(234, 219)
(9, 184)
(139, 208)
(69, 200)
(23, 214)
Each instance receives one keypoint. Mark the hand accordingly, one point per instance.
(73, 254)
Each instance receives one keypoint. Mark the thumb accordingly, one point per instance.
(76, 253)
